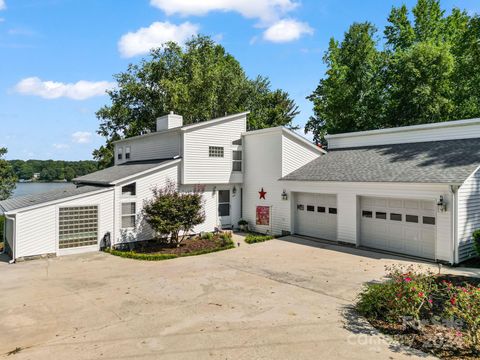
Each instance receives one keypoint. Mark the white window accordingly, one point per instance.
(120, 153)
(215, 151)
(129, 190)
(128, 215)
(237, 160)
(127, 152)
(78, 226)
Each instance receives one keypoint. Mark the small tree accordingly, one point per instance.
(171, 212)
(8, 179)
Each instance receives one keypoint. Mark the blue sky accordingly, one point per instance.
(58, 56)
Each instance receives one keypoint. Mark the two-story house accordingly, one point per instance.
(411, 190)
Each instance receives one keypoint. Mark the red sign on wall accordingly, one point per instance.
(263, 215)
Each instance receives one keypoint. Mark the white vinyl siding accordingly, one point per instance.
(144, 185)
(450, 130)
(468, 215)
(38, 229)
(198, 166)
(295, 154)
(152, 146)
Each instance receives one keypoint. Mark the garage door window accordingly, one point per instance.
(381, 215)
(310, 208)
(367, 214)
(321, 209)
(332, 210)
(78, 226)
(411, 218)
(395, 217)
(428, 220)
(300, 207)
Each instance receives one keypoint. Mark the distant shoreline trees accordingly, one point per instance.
(8, 178)
(51, 170)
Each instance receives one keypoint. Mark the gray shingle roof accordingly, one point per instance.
(449, 161)
(112, 174)
(21, 202)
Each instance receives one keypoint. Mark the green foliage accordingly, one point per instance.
(207, 236)
(8, 179)
(199, 81)
(225, 245)
(170, 212)
(406, 293)
(242, 222)
(428, 71)
(464, 304)
(476, 241)
(51, 170)
(254, 238)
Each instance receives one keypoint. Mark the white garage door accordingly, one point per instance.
(399, 225)
(316, 215)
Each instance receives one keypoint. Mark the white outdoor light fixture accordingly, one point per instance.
(441, 204)
(284, 195)
(234, 190)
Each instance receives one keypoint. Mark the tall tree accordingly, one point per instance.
(8, 180)
(427, 72)
(350, 97)
(200, 81)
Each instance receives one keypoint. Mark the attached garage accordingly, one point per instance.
(403, 226)
(316, 215)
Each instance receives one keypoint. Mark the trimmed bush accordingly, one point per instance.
(464, 304)
(476, 241)
(2, 224)
(406, 294)
(254, 238)
(207, 236)
(226, 243)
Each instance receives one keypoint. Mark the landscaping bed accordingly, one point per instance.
(437, 314)
(159, 250)
(253, 238)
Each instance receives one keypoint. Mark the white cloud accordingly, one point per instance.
(141, 41)
(287, 30)
(80, 90)
(61, 146)
(82, 137)
(266, 10)
(3, 6)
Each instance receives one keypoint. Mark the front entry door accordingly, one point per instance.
(224, 208)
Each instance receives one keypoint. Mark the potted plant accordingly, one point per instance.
(243, 225)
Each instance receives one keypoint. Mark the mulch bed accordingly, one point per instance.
(433, 337)
(189, 245)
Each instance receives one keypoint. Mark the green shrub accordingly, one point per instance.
(476, 241)
(242, 222)
(406, 294)
(254, 238)
(207, 236)
(464, 305)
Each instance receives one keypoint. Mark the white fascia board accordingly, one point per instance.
(53, 202)
(146, 172)
(370, 182)
(444, 124)
(214, 121)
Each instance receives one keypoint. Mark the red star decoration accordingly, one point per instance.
(262, 194)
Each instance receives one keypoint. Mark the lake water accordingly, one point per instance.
(37, 188)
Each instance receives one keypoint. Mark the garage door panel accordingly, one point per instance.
(319, 222)
(398, 225)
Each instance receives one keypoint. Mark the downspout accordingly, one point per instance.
(453, 190)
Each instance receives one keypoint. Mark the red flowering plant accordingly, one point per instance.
(464, 304)
(407, 294)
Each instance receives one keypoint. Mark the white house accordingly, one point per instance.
(409, 190)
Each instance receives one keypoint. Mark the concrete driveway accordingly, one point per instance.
(283, 299)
